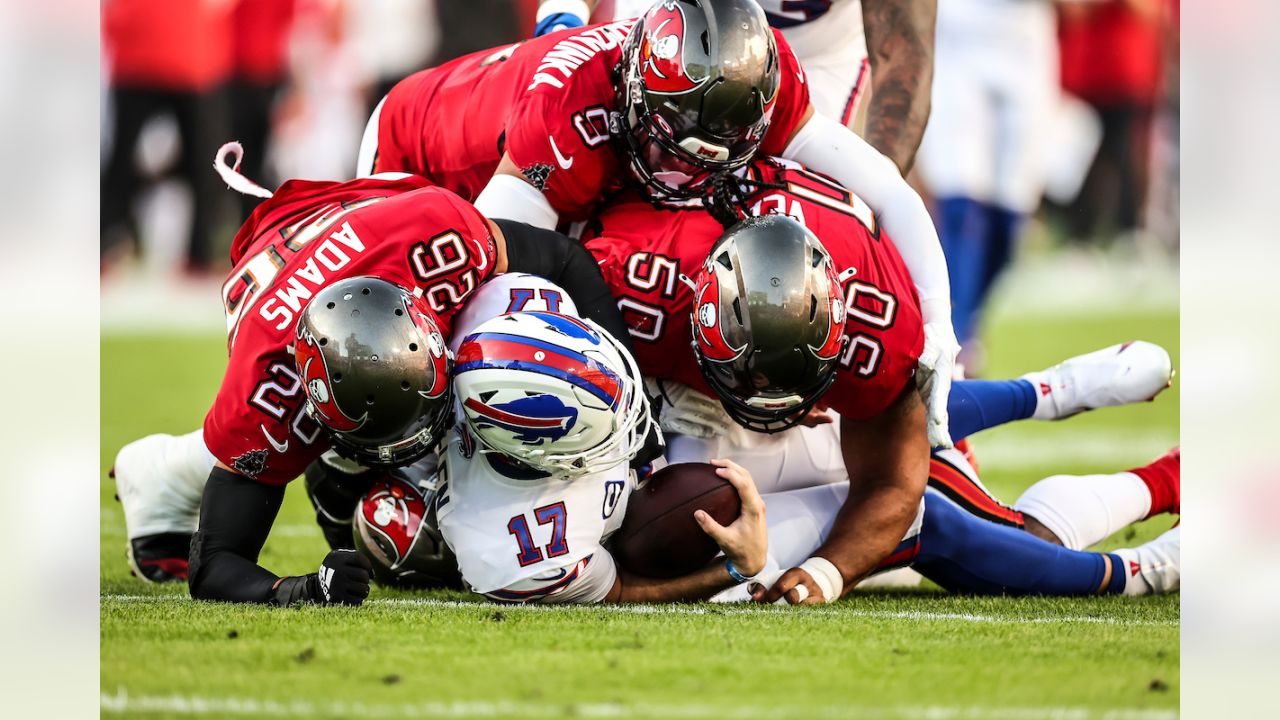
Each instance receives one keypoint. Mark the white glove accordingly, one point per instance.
(937, 366)
(684, 411)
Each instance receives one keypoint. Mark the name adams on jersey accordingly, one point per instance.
(307, 236)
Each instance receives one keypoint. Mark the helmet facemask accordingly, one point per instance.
(693, 117)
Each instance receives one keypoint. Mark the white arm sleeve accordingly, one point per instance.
(833, 149)
(508, 197)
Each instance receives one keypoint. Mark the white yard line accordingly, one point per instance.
(844, 612)
(121, 702)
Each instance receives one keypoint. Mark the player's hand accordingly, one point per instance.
(684, 411)
(793, 587)
(343, 578)
(745, 541)
(937, 366)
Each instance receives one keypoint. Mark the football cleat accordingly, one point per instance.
(1153, 568)
(159, 558)
(1131, 372)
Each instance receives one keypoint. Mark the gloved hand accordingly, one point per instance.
(556, 15)
(343, 579)
(937, 366)
(682, 410)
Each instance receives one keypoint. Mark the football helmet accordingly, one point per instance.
(395, 528)
(768, 322)
(552, 392)
(375, 369)
(696, 85)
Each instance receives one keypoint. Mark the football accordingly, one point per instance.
(659, 537)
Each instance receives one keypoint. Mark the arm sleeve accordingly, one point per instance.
(555, 257)
(509, 197)
(831, 148)
(236, 515)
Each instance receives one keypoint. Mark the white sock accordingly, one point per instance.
(1083, 510)
(1045, 409)
(1154, 568)
(160, 480)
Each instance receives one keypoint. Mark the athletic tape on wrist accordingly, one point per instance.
(825, 576)
(577, 8)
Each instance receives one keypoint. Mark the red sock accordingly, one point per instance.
(1163, 479)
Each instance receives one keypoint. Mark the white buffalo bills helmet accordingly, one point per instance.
(552, 392)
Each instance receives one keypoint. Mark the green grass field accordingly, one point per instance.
(918, 654)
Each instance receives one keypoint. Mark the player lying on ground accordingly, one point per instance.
(644, 251)
(546, 130)
(337, 312)
(991, 554)
(535, 475)
(524, 535)
(748, 327)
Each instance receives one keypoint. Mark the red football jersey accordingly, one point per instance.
(306, 237)
(643, 250)
(545, 102)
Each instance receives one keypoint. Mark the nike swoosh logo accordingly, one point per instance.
(280, 447)
(565, 163)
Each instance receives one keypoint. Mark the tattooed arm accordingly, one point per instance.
(900, 45)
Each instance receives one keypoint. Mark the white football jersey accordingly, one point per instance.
(525, 540)
(522, 540)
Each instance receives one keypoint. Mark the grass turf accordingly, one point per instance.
(895, 654)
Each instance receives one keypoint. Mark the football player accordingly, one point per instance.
(849, 49)
(535, 482)
(535, 478)
(644, 251)
(420, 252)
(772, 349)
(544, 131)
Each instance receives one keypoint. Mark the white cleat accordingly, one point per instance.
(1131, 372)
(1154, 568)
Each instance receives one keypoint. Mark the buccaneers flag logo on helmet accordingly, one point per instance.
(662, 51)
(319, 383)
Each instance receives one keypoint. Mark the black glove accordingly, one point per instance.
(343, 579)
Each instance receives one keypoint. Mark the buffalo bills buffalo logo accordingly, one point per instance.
(662, 51)
(533, 420)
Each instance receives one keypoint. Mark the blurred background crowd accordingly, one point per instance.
(1082, 99)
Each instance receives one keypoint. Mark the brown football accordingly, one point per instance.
(659, 537)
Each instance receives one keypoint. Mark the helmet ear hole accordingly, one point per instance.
(737, 310)
(813, 308)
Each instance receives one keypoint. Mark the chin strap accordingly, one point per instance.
(725, 196)
(230, 174)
